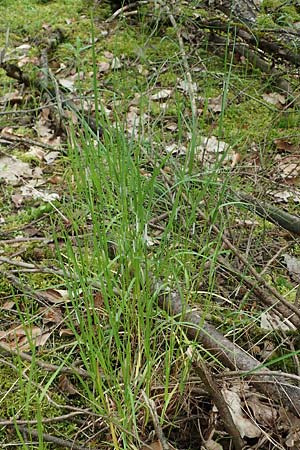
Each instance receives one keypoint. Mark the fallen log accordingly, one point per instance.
(228, 353)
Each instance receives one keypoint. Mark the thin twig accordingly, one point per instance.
(274, 257)
(188, 75)
(49, 438)
(261, 373)
(123, 9)
(26, 141)
(26, 239)
(43, 365)
(44, 421)
(220, 403)
(158, 430)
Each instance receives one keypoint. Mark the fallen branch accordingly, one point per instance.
(271, 295)
(271, 213)
(230, 354)
(219, 401)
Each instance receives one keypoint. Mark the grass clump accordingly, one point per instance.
(129, 223)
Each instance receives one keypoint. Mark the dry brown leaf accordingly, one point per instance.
(274, 98)
(36, 152)
(116, 63)
(185, 86)
(161, 95)
(51, 315)
(56, 296)
(103, 66)
(286, 195)
(293, 266)
(245, 426)
(211, 151)
(67, 83)
(23, 338)
(288, 166)
(17, 200)
(175, 149)
(66, 386)
(264, 414)
(282, 144)
(9, 305)
(270, 321)
(210, 444)
(41, 340)
(12, 170)
(215, 103)
(156, 445)
(12, 98)
(50, 157)
(172, 126)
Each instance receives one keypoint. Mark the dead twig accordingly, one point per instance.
(45, 421)
(158, 430)
(6, 139)
(25, 239)
(253, 374)
(43, 365)
(191, 89)
(124, 9)
(49, 438)
(218, 399)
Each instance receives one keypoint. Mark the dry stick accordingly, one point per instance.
(44, 421)
(15, 262)
(240, 373)
(218, 399)
(158, 430)
(274, 257)
(26, 141)
(259, 291)
(124, 9)
(49, 438)
(158, 218)
(48, 367)
(25, 239)
(184, 59)
(230, 354)
(287, 308)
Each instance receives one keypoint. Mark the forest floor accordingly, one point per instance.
(118, 190)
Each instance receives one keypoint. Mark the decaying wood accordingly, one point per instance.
(16, 73)
(256, 59)
(281, 43)
(230, 354)
(244, 10)
(271, 213)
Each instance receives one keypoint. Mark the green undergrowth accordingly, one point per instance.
(115, 264)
